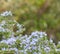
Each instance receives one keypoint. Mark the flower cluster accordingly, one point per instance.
(36, 43)
(7, 26)
(31, 43)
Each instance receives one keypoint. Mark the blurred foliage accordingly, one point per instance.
(26, 12)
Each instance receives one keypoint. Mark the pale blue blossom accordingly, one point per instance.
(47, 49)
(3, 41)
(35, 53)
(34, 48)
(34, 39)
(33, 43)
(13, 49)
(11, 40)
(35, 33)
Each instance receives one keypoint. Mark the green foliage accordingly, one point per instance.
(48, 21)
(26, 12)
(12, 41)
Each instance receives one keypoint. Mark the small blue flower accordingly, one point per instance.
(11, 40)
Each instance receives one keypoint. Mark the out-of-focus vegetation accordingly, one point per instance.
(42, 15)
(13, 42)
(27, 13)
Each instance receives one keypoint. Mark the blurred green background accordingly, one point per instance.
(42, 15)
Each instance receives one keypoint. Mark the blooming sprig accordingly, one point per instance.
(7, 26)
(13, 40)
(35, 43)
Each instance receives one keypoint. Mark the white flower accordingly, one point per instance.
(3, 48)
(42, 34)
(51, 40)
(58, 50)
(47, 49)
(6, 13)
(3, 22)
(14, 49)
(59, 42)
(2, 29)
